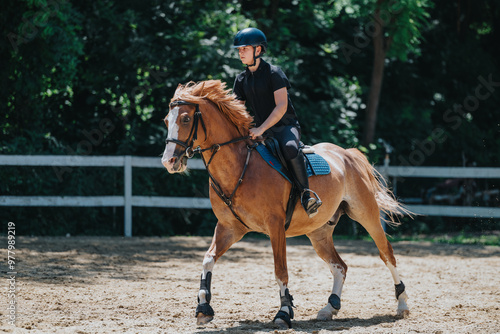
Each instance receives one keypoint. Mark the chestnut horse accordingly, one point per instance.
(248, 195)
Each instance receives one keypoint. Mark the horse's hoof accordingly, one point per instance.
(204, 314)
(282, 320)
(280, 324)
(326, 313)
(405, 313)
(202, 319)
(324, 316)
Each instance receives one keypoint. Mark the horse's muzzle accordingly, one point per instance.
(175, 164)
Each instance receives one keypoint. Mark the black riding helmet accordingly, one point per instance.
(251, 37)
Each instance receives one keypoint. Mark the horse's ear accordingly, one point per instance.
(178, 89)
(179, 86)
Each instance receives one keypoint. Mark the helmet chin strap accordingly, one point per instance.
(254, 57)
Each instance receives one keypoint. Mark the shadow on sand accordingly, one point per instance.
(308, 326)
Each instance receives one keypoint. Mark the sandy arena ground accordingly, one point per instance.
(149, 285)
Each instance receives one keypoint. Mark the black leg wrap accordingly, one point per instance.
(205, 285)
(334, 300)
(286, 300)
(400, 288)
(205, 309)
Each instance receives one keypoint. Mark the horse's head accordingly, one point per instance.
(187, 128)
(182, 123)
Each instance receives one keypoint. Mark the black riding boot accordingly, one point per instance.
(298, 167)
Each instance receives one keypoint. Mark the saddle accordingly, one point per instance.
(274, 148)
(315, 165)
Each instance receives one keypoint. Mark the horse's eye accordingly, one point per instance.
(186, 119)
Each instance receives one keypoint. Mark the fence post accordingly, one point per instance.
(128, 195)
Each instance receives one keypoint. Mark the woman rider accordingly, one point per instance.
(264, 89)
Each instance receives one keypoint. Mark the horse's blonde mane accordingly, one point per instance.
(215, 91)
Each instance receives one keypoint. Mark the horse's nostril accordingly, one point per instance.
(173, 160)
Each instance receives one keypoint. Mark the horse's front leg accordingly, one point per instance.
(224, 237)
(285, 314)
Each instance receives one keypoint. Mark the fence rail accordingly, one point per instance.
(444, 172)
(128, 200)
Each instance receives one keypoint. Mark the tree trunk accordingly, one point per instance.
(380, 46)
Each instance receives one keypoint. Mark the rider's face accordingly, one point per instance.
(246, 54)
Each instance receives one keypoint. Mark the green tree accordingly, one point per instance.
(394, 28)
(40, 53)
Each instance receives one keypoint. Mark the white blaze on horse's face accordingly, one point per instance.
(168, 160)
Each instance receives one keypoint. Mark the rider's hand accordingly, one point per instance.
(255, 132)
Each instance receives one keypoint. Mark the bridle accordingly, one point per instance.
(189, 152)
(193, 134)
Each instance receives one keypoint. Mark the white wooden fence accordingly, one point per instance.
(128, 200)
(448, 173)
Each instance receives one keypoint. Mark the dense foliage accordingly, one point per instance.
(95, 78)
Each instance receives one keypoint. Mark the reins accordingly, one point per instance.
(190, 152)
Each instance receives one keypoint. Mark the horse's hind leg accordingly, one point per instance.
(387, 255)
(224, 237)
(322, 242)
(367, 213)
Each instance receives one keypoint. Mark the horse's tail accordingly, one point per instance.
(384, 197)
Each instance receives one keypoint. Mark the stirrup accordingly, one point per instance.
(312, 205)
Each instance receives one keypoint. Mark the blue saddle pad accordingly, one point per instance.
(316, 164)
